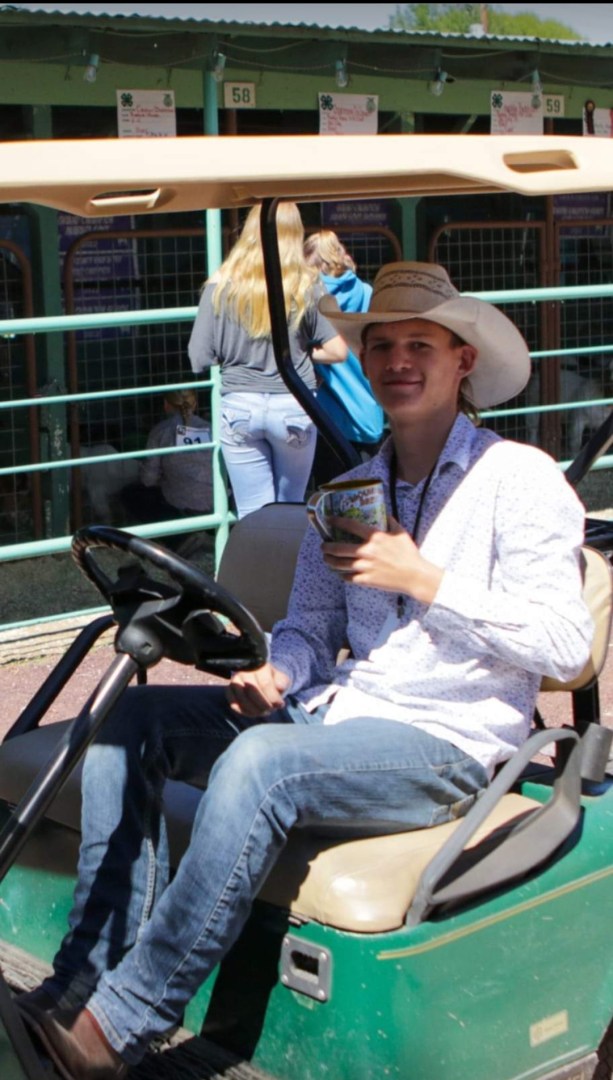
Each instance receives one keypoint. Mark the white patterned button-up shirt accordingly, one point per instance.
(506, 527)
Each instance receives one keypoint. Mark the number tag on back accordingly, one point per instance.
(187, 436)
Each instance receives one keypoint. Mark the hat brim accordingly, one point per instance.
(503, 367)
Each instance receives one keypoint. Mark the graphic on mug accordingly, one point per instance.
(361, 500)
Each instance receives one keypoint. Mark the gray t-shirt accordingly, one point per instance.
(248, 364)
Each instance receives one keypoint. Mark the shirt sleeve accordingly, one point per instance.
(532, 613)
(201, 348)
(306, 643)
(317, 328)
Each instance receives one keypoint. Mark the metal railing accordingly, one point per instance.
(219, 519)
(221, 516)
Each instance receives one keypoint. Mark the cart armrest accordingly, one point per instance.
(531, 840)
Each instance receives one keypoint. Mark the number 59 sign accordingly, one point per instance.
(239, 95)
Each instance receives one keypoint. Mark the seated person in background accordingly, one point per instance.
(344, 391)
(173, 485)
(453, 615)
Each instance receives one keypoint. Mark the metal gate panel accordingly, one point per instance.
(21, 517)
(156, 268)
(491, 255)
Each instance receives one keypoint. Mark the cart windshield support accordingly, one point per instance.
(280, 340)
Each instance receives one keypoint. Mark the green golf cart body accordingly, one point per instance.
(479, 949)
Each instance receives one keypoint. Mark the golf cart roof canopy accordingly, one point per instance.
(123, 176)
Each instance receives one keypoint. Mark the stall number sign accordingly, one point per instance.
(188, 436)
(239, 95)
(553, 105)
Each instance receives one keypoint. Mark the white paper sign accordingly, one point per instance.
(146, 113)
(601, 123)
(348, 114)
(512, 113)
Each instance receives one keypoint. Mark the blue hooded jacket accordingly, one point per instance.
(345, 392)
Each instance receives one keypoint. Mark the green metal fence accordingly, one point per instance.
(221, 517)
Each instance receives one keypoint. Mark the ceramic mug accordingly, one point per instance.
(363, 500)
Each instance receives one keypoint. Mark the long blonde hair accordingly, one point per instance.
(324, 250)
(240, 282)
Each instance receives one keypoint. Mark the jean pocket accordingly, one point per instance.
(299, 429)
(235, 425)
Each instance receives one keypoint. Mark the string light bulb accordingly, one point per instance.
(91, 71)
(437, 86)
(219, 64)
(537, 90)
(342, 78)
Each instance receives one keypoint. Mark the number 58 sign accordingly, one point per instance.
(239, 95)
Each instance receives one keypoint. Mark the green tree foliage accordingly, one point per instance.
(458, 18)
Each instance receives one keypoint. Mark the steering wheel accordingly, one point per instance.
(177, 616)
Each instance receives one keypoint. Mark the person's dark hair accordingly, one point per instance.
(465, 405)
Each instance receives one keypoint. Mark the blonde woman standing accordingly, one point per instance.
(268, 441)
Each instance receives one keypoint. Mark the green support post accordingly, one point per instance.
(48, 301)
(214, 254)
(409, 206)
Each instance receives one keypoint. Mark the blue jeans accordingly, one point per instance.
(268, 445)
(138, 947)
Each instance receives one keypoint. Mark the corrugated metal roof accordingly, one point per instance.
(310, 27)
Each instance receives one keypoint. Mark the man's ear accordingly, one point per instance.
(468, 359)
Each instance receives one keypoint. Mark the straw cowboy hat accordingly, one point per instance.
(415, 290)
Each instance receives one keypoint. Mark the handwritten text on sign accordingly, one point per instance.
(513, 113)
(348, 114)
(146, 113)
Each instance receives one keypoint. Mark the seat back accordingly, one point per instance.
(259, 560)
(598, 595)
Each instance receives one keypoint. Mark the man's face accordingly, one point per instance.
(414, 368)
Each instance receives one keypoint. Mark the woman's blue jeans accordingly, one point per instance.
(268, 446)
(138, 947)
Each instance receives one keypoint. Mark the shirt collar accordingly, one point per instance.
(456, 451)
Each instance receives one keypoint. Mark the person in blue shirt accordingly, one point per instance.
(344, 391)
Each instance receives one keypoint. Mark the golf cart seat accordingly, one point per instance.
(351, 883)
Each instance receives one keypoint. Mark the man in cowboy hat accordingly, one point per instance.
(452, 616)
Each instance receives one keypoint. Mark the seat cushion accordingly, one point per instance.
(363, 885)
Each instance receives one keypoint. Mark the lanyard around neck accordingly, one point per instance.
(414, 532)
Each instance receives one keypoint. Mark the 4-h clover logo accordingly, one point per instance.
(370, 105)
(127, 101)
(326, 102)
(497, 101)
(167, 101)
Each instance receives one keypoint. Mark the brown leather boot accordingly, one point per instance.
(74, 1041)
(38, 997)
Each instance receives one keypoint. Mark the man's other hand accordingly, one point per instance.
(257, 693)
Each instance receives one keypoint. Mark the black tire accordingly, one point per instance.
(604, 1069)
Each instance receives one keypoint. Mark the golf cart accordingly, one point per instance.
(479, 948)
